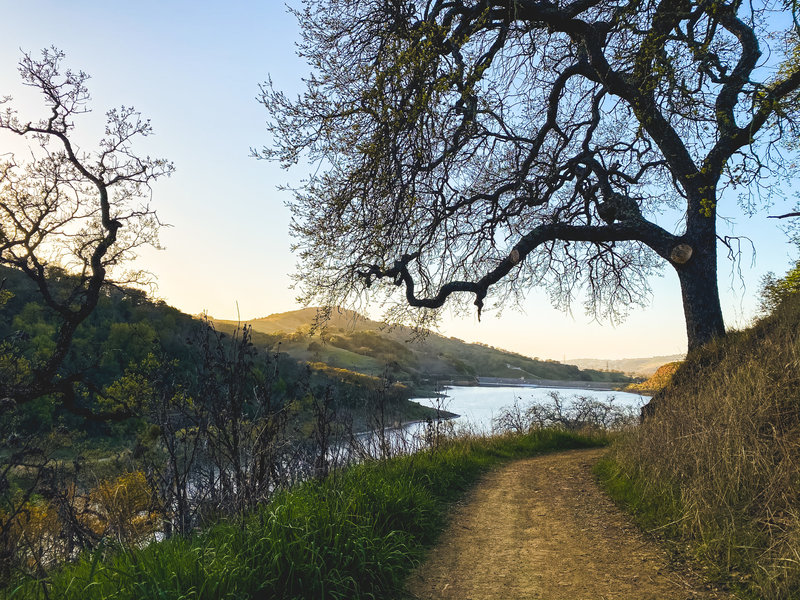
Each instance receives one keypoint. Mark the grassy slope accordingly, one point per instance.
(356, 534)
(369, 346)
(657, 381)
(718, 467)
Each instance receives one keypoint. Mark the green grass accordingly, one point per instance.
(653, 510)
(356, 534)
(657, 508)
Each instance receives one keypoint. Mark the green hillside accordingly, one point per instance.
(131, 340)
(348, 340)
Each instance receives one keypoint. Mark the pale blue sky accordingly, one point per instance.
(193, 68)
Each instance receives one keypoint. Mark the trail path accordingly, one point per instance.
(541, 528)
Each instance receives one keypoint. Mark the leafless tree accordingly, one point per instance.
(468, 147)
(70, 217)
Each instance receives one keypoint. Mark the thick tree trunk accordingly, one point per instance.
(701, 306)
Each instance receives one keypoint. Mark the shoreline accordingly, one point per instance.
(492, 382)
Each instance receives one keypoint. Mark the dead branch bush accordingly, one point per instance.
(573, 414)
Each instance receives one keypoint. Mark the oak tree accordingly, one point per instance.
(71, 219)
(477, 147)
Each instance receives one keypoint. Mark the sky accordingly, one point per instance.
(193, 68)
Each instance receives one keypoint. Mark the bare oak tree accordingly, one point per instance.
(485, 146)
(70, 217)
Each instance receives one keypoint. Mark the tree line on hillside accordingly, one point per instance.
(125, 341)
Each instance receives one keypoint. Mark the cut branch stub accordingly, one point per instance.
(681, 254)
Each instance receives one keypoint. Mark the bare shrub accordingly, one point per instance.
(219, 443)
(573, 414)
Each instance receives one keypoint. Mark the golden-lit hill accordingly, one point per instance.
(289, 322)
(350, 341)
(657, 381)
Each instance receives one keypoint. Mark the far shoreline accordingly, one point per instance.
(490, 382)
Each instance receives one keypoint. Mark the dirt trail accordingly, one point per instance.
(541, 528)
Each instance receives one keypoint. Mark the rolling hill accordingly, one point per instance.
(644, 367)
(350, 341)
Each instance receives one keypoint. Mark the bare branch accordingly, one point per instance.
(449, 136)
(786, 216)
(66, 209)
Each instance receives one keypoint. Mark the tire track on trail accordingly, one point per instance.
(541, 528)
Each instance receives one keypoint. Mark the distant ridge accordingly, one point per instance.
(632, 366)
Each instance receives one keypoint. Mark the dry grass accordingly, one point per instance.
(721, 457)
(657, 381)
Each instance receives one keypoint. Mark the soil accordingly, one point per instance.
(541, 528)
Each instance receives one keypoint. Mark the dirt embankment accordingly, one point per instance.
(542, 529)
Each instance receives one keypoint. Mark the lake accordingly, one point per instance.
(478, 405)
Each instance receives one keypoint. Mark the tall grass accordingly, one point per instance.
(718, 465)
(355, 534)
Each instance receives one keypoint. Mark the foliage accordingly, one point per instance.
(40, 532)
(109, 350)
(70, 218)
(775, 291)
(371, 343)
(32, 534)
(355, 534)
(717, 464)
(347, 375)
(465, 149)
(123, 509)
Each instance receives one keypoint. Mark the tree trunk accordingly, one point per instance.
(701, 306)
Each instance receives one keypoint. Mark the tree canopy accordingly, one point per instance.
(474, 148)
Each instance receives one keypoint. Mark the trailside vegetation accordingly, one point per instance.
(353, 534)
(213, 425)
(716, 466)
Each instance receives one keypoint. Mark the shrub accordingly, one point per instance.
(580, 412)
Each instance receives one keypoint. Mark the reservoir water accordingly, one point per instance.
(478, 405)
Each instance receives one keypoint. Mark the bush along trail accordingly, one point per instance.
(542, 528)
